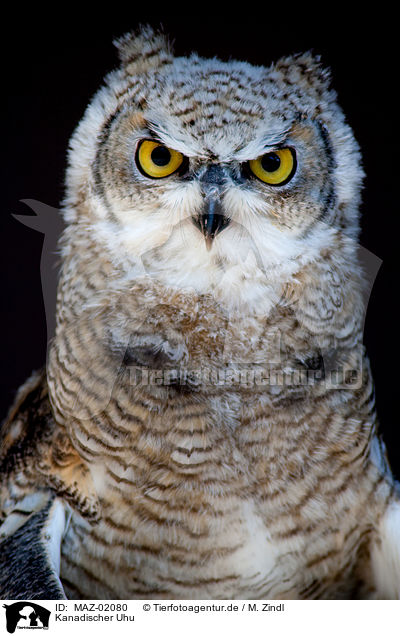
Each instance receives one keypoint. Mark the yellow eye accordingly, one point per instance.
(274, 168)
(157, 161)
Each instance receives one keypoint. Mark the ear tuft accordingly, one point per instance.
(305, 68)
(145, 48)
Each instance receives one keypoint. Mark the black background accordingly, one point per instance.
(52, 63)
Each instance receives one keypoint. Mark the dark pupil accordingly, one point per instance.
(161, 156)
(270, 162)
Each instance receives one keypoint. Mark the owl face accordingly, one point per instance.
(219, 176)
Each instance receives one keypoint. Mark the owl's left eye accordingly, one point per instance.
(157, 161)
(275, 168)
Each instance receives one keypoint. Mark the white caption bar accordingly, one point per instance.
(175, 618)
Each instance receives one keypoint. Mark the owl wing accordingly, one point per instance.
(30, 553)
(32, 518)
(42, 478)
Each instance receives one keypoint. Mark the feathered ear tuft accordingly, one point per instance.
(305, 68)
(143, 49)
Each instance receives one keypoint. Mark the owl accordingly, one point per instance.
(205, 424)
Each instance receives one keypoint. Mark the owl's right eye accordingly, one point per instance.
(157, 161)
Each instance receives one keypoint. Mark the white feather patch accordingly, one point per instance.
(54, 531)
(385, 556)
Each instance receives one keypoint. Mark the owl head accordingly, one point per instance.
(218, 176)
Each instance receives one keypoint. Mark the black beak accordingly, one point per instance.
(211, 221)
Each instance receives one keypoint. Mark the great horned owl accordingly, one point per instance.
(205, 426)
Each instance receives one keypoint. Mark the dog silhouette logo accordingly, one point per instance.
(26, 615)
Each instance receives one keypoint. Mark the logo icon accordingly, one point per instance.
(26, 615)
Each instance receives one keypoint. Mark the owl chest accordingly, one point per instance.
(134, 554)
(187, 512)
